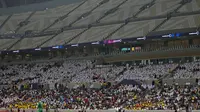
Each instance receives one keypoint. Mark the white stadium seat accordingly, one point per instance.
(13, 23)
(126, 10)
(193, 6)
(2, 19)
(95, 34)
(90, 18)
(42, 19)
(136, 29)
(6, 43)
(87, 6)
(161, 7)
(62, 38)
(28, 43)
(181, 23)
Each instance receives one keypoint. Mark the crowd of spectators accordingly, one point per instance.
(50, 72)
(132, 96)
(117, 96)
(188, 70)
(99, 74)
(78, 72)
(146, 72)
(86, 71)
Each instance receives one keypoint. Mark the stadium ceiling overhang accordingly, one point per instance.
(174, 35)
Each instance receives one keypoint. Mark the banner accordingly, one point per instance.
(4, 110)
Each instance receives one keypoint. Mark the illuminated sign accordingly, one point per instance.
(116, 41)
(143, 38)
(75, 45)
(178, 34)
(138, 48)
(38, 49)
(194, 33)
(16, 51)
(124, 40)
(133, 49)
(58, 47)
(125, 49)
(112, 41)
(95, 43)
(168, 36)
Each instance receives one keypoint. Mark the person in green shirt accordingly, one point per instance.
(40, 107)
